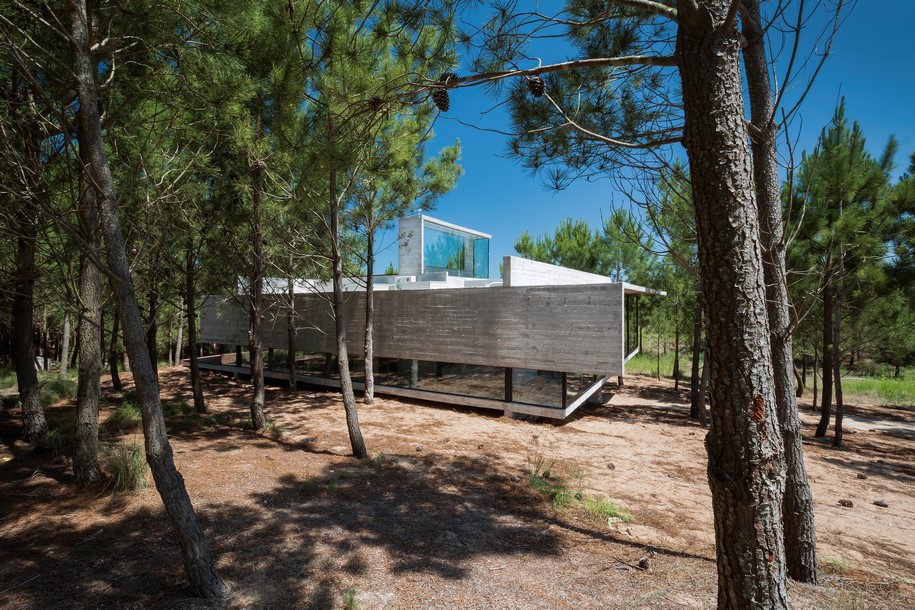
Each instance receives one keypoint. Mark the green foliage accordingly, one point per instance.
(605, 509)
(646, 362)
(390, 270)
(7, 379)
(841, 201)
(61, 436)
(126, 416)
(620, 249)
(542, 480)
(881, 390)
(53, 389)
(349, 599)
(563, 487)
(836, 562)
(126, 463)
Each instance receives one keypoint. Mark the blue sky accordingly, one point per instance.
(872, 65)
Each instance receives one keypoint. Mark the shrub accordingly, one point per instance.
(54, 389)
(7, 379)
(60, 439)
(126, 463)
(126, 415)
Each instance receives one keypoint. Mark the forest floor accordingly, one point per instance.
(442, 515)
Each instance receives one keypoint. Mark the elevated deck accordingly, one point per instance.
(590, 392)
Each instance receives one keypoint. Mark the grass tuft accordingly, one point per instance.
(126, 416)
(7, 379)
(54, 389)
(61, 437)
(601, 507)
(553, 481)
(349, 599)
(836, 562)
(126, 463)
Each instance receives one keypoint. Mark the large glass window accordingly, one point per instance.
(457, 252)
(633, 332)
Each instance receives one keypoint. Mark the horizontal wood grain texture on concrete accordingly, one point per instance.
(554, 328)
(518, 271)
(410, 246)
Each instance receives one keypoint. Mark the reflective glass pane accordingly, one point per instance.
(481, 257)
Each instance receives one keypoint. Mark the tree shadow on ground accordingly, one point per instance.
(296, 543)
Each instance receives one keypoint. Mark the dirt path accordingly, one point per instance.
(442, 516)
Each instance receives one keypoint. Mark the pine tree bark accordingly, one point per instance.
(797, 506)
(86, 467)
(34, 423)
(198, 563)
(369, 346)
(152, 326)
(697, 357)
(676, 371)
(826, 398)
(191, 302)
(744, 443)
(179, 341)
(256, 343)
(113, 354)
(836, 369)
(346, 382)
(65, 345)
(290, 329)
(703, 392)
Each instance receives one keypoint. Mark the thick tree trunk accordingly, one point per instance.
(826, 400)
(33, 420)
(86, 468)
(255, 346)
(744, 443)
(64, 345)
(797, 506)
(369, 346)
(113, 354)
(191, 299)
(346, 382)
(697, 357)
(198, 563)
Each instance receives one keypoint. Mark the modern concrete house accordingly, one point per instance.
(543, 340)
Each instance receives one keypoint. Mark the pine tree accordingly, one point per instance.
(842, 190)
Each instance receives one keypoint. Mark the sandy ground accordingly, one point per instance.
(442, 515)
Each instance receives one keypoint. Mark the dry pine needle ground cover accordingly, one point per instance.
(443, 515)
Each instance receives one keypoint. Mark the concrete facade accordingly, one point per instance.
(537, 326)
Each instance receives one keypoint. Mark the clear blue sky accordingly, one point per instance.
(872, 64)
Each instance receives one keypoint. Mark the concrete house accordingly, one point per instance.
(542, 340)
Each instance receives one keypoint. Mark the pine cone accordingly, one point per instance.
(440, 99)
(536, 86)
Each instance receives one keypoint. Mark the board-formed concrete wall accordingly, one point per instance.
(410, 245)
(553, 328)
(518, 271)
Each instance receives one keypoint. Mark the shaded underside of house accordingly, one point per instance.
(537, 349)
